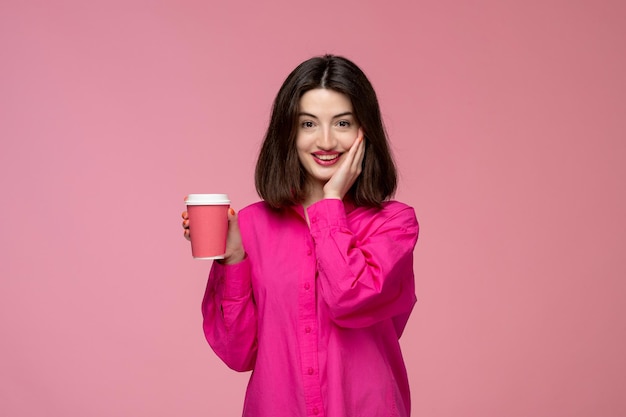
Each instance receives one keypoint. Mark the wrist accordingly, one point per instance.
(332, 196)
(233, 258)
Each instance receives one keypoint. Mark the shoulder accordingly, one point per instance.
(392, 213)
(259, 214)
(259, 224)
(255, 208)
(393, 208)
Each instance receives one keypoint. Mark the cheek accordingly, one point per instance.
(346, 137)
(303, 143)
(302, 156)
(346, 140)
(301, 150)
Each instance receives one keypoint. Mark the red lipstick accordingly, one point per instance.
(326, 158)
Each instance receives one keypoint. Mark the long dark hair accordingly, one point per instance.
(280, 179)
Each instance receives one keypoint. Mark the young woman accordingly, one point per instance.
(317, 281)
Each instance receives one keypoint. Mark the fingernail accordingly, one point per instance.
(231, 211)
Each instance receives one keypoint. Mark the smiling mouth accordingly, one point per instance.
(326, 159)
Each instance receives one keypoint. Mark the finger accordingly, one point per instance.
(186, 223)
(360, 154)
(349, 159)
(232, 219)
(186, 234)
(357, 141)
(232, 216)
(185, 215)
(357, 155)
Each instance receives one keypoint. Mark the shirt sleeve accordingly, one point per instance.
(229, 315)
(367, 278)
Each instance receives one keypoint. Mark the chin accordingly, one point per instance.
(323, 178)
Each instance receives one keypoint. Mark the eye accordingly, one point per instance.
(306, 124)
(343, 123)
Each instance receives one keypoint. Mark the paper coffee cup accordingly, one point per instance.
(208, 224)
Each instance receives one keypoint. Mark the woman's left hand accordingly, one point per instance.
(345, 176)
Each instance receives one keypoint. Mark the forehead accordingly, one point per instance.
(324, 101)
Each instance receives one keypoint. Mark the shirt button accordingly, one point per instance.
(307, 286)
(316, 411)
(307, 329)
(310, 371)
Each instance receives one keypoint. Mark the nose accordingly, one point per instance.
(326, 140)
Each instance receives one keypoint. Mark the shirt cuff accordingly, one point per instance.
(236, 279)
(325, 214)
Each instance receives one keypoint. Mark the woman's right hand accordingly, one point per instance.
(186, 225)
(234, 247)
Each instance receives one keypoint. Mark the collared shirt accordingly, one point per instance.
(316, 311)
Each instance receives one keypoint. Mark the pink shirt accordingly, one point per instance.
(316, 312)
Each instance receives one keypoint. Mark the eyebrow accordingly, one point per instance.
(347, 113)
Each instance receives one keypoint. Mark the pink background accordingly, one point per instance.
(508, 120)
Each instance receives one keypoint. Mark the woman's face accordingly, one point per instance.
(327, 128)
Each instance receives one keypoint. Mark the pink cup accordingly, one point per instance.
(208, 224)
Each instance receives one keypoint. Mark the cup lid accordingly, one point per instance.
(206, 199)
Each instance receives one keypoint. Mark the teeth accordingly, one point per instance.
(327, 157)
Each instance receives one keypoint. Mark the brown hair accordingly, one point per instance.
(280, 179)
